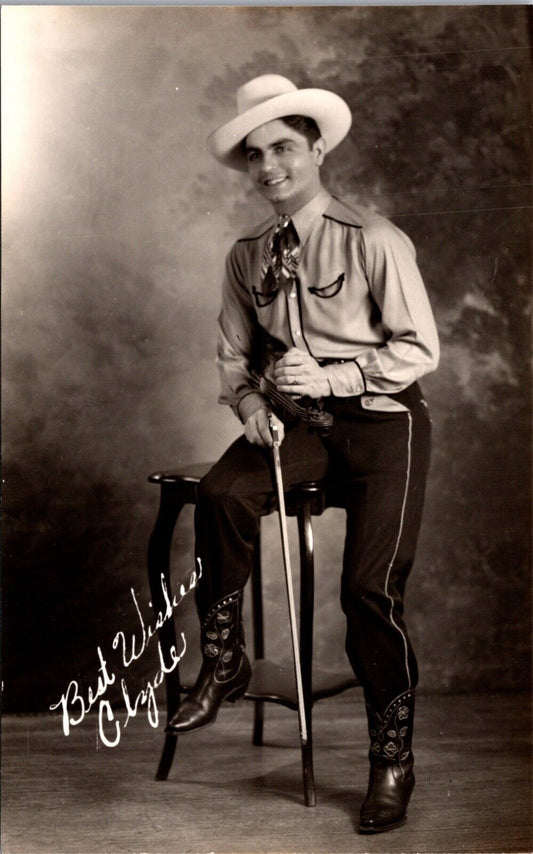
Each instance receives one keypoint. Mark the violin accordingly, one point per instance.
(312, 414)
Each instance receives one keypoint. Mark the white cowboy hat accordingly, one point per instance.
(270, 97)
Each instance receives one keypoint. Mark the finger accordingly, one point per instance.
(291, 358)
(260, 440)
(251, 433)
(252, 429)
(288, 375)
(264, 429)
(294, 389)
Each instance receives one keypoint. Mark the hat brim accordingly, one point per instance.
(330, 112)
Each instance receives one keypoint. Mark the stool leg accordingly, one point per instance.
(307, 596)
(259, 636)
(159, 565)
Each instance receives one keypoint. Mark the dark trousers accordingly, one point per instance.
(381, 458)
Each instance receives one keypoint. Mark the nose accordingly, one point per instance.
(268, 162)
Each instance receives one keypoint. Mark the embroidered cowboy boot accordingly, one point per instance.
(391, 780)
(225, 671)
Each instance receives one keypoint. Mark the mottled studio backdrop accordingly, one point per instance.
(115, 227)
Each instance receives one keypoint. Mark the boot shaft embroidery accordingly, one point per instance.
(222, 636)
(391, 734)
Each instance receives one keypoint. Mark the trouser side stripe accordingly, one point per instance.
(400, 531)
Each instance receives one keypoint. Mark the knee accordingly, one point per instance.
(216, 495)
(359, 594)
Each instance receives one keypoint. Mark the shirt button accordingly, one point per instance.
(297, 332)
(293, 294)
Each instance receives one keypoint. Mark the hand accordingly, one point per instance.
(297, 373)
(257, 428)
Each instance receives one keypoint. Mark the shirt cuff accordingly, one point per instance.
(250, 403)
(346, 379)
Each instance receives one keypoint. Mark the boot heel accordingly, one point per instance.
(237, 694)
(245, 674)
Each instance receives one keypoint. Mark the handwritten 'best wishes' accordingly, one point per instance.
(75, 705)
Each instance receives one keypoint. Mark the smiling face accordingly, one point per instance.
(284, 166)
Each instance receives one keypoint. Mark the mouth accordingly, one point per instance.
(274, 182)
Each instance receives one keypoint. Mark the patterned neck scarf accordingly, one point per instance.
(280, 258)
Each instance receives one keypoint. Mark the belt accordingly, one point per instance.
(323, 362)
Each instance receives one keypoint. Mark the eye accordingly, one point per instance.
(252, 155)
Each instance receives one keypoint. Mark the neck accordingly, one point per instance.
(292, 206)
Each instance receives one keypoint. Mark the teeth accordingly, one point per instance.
(273, 181)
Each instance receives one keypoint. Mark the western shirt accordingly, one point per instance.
(357, 304)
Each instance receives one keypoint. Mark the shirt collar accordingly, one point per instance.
(304, 218)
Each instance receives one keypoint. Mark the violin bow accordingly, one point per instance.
(288, 578)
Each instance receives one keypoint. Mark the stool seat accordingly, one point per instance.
(321, 493)
(187, 474)
(270, 682)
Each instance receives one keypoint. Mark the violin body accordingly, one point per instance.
(283, 404)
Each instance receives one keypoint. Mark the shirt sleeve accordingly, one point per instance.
(411, 346)
(237, 328)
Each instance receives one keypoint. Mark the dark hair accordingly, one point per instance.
(304, 125)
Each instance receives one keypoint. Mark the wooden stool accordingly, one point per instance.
(269, 682)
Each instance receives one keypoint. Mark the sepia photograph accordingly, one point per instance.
(266, 429)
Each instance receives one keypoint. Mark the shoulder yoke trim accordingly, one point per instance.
(336, 210)
(340, 212)
(258, 231)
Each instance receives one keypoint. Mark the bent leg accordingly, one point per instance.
(231, 499)
(233, 496)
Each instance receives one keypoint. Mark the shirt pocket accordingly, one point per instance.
(328, 291)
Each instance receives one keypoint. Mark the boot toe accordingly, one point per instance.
(189, 717)
(200, 708)
(381, 827)
(385, 807)
(381, 820)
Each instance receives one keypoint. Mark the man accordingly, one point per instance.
(328, 302)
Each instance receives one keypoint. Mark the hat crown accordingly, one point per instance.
(262, 89)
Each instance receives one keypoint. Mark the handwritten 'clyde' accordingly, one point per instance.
(75, 706)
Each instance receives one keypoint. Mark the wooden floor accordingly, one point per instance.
(71, 795)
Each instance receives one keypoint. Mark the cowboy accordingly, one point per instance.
(327, 302)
